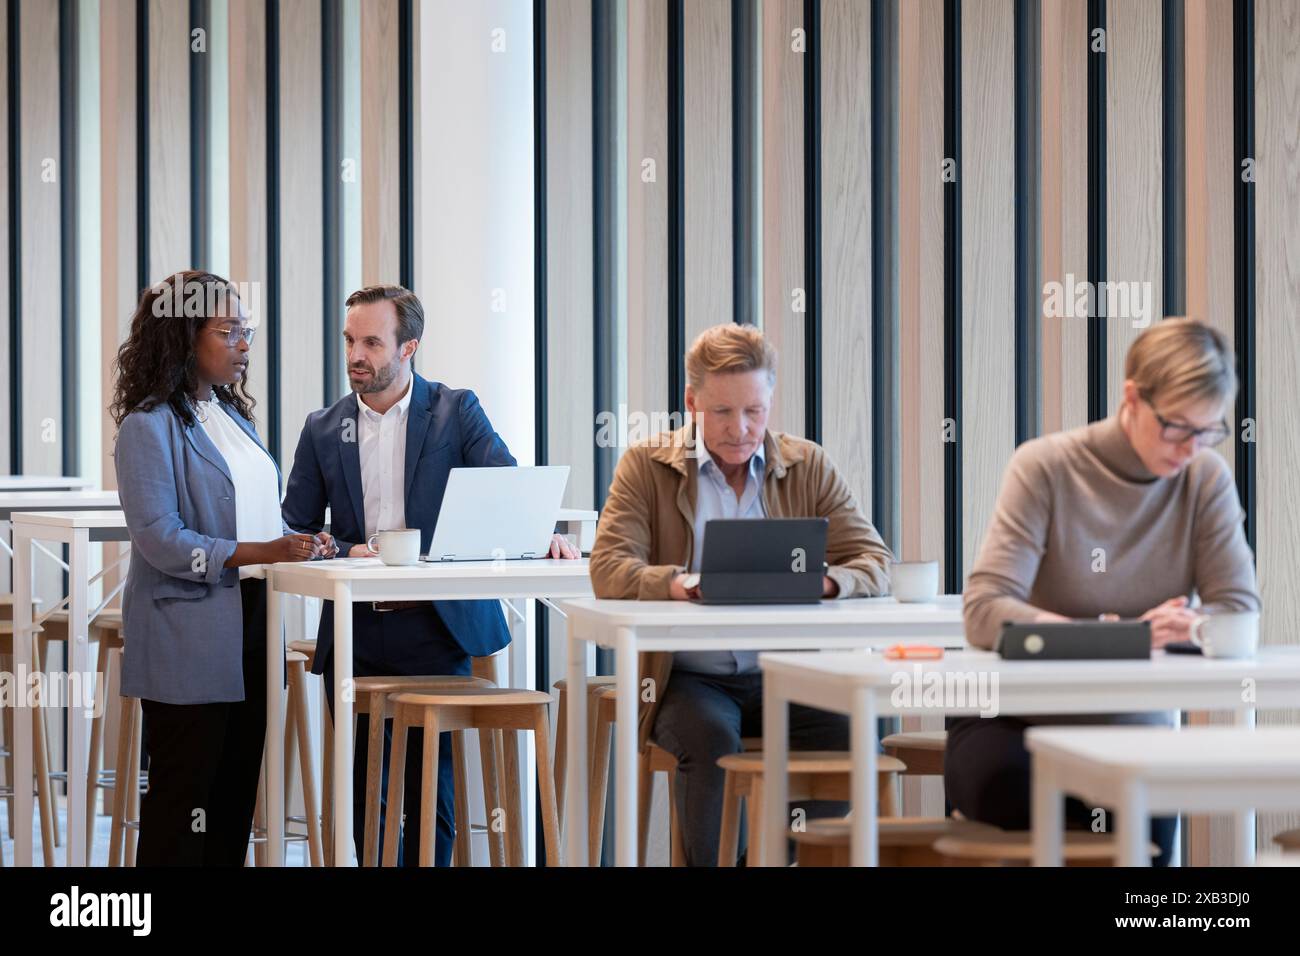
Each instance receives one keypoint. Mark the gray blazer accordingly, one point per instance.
(182, 613)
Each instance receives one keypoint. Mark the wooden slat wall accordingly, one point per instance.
(169, 139)
(248, 239)
(569, 228)
(301, 222)
(706, 94)
(846, 241)
(1134, 166)
(647, 206)
(1277, 278)
(1064, 199)
(380, 162)
(783, 208)
(988, 261)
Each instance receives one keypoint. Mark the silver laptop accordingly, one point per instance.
(490, 514)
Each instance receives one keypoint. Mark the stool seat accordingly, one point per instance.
(472, 697)
(1288, 840)
(808, 761)
(600, 680)
(893, 831)
(1017, 847)
(397, 685)
(294, 657)
(919, 740)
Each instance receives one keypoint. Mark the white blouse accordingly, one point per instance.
(257, 495)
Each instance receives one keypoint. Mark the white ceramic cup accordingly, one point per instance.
(399, 547)
(1227, 635)
(915, 581)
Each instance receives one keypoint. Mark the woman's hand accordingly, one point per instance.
(1170, 621)
(291, 547)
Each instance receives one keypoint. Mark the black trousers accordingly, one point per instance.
(204, 763)
(986, 772)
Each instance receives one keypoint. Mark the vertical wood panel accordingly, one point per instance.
(169, 138)
(569, 243)
(1277, 277)
(1134, 166)
(783, 208)
(248, 237)
(846, 241)
(647, 206)
(1064, 183)
(380, 162)
(301, 221)
(708, 174)
(988, 261)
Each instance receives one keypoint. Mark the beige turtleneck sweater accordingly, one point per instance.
(1082, 528)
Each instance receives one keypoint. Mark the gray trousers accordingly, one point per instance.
(703, 717)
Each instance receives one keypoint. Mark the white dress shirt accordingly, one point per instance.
(257, 494)
(383, 463)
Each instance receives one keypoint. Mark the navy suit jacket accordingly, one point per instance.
(446, 428)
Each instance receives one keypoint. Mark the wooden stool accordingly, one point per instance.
(44, 788)
(1289, 841)
(561, 734)
(126, 798)
(308, 650)
(902, 841)
(921, 750)
(471, 708)
(814, 775)
(296, 726)
(1016, 848)
(372, 697)
(106, 631)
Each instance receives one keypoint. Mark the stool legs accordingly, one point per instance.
(96, 745)
(728, 844)
(41, 755)
(490, 765)
(513, 792)
(464, 850)
(546, 786)
(396, 781)
(598, 785)
(429, 788)
(122, 777)
(377, 710)
(307, 771)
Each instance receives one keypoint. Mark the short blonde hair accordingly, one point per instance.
(729, 348)
(1180, 360)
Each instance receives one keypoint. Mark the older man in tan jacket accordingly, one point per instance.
(723, 464)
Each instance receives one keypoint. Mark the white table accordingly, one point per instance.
(78, 530)
(1138, 771)
(46, 499)
(630, 627)
(348, 581)
(869, 687)
(43, 483)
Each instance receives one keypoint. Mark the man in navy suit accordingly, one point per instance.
(379, 459)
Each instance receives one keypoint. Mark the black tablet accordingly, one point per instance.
(1076, 641)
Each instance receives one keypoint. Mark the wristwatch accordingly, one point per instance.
(691, 583)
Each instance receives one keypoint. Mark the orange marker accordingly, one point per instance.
(913, 652)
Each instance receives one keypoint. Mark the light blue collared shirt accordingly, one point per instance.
(714, 498)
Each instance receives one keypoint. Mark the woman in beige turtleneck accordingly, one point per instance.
(1131, 516)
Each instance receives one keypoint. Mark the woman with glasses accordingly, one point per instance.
(201, 498)
(1131, 517)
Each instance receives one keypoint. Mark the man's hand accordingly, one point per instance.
(678, 591)
(561, 548)
(361, 551)
(1170, 621)
(829, 587)
(325, 546)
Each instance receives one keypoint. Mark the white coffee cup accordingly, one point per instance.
(1227, 635)
(915, 581)
(398, 547)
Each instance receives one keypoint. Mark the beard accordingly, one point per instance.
(380, 378)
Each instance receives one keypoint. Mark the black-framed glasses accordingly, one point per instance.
(1176, 432)
(235, 333)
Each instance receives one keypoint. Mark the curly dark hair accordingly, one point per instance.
(156, 363)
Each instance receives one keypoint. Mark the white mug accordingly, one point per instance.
(1227, 635)
(397, 547)
(915, 581)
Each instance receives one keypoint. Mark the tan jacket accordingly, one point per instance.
(646, 535)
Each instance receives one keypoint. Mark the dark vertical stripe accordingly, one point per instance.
(812, 220)
(952, 300)
(13, 49)
(273, 226)
(542, 677)
(1243, 37)
(1174, 160)
(1098, 404)
(676, 217)
(884, 264)
(1028, 264)
(744, 160)
(331, 61)
(68, 71)
(406, 142)
(143, 273)
(200, 149)
(604, 183)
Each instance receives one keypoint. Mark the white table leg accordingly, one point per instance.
(776, 783)
(1243, 850)
(625, 732)
(576, 748)
(22, 714)
(1047, 814)
(275, 795)
(864, 740)
(522, 676)
(1133, 828)
(344, 692)
(76, 757)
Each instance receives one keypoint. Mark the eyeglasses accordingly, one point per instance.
(1176, 433)
(235, 333)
